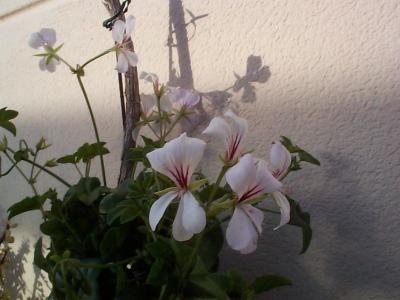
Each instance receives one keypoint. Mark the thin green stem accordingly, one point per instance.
(160, 117)
(66, 63)
(79, 171)
(98, 56)
(178, 118)
(217, 183)
(103, 170)
(38, 166)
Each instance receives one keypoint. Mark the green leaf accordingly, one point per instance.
(112, 241)
(207, 284)
(87, 152)
(30, 203)
(157, 275)
(302, 220)
(22, 154)
(38, 259)
(305, 156)
(52, 227)
(121, 280)
(5, 116)
(88, 190)
(269, 282)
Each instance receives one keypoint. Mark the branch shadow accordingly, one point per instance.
(14, 276)
(212, 102)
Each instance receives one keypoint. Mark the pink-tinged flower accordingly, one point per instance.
(280, 160)
(45, 39)
(183, 98)
(232, 133)
(121, 33)
(249, 179)
(178, 160)
(149, 104)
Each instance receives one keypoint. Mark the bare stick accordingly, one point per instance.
(132, 105)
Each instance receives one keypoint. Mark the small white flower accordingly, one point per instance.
(121, 33)
(233, 134)
(45, 39)
(178, 160)
(183, 98)
(248, 179)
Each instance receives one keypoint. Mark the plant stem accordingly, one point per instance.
(178, 118)
(38, 166)
(103, 171)
(160, 117)
(269, 210)
(217, 183)
(98, 56)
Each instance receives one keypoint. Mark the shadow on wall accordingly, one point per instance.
(347, 256)
(218, 100)
(15, 284)
(349, 253)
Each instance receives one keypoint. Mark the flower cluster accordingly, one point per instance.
(249, 178)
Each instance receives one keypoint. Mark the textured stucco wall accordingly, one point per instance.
(331, 84)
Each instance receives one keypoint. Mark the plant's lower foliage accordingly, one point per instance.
(97, 252)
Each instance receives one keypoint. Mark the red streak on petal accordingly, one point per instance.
(250, 193)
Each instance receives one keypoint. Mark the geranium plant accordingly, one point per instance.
(159, 232)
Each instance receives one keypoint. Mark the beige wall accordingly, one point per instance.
(334, 71)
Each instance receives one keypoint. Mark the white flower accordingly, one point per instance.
(232, 133)
(183, 98)
(45, 39)
(178, 159)
(280, 160)
(121, 33)
(248, 179)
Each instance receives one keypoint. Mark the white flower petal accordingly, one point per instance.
(51, 66)
(118, 31)
(178, 231)
(242, 176)
(179, 156)
(148, 102)
(266, 179)
(122, 63)
(158, 208)
(183, 97)
(49, 36)
(240, 125)
(255, 215)
(165, 103)
(284, 207)
(36, 40)
(132, 57)
(280, 158)
(241, 231)
(148, 77)
(219, 128)
(129, 25)
(42, 64)
(193, 216)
